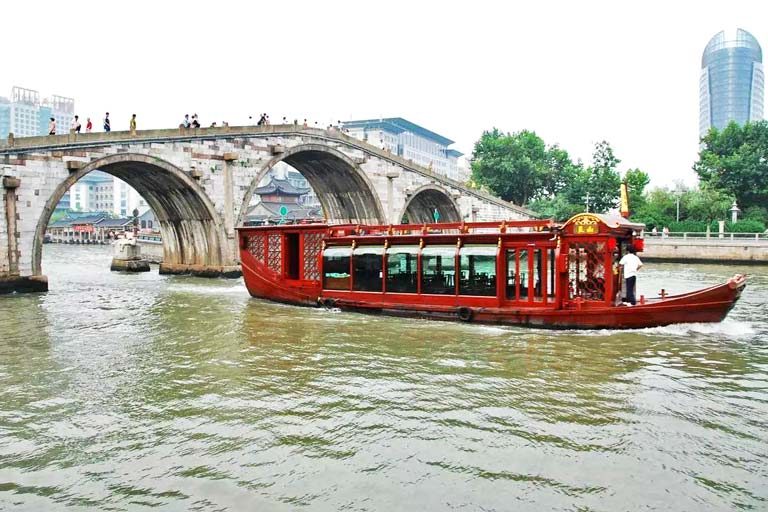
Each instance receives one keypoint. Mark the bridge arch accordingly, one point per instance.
(421, 205)
(192, 231)
(343, 189)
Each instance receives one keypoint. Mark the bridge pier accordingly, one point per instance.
(10, 279)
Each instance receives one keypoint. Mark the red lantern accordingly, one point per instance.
(611, 244)
(639, 244)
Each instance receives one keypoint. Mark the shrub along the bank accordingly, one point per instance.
(742, 226)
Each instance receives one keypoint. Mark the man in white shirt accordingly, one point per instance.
(631, 264)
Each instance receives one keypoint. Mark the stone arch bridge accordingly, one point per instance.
(199, 182)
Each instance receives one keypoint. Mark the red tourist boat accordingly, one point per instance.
(536, 272)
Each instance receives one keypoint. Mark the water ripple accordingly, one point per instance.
(125, 392)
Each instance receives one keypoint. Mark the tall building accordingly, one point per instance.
(732, 83)
(25, 114)
(410, 141)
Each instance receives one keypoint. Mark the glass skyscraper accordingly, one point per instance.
(732, 83)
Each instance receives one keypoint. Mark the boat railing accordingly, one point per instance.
(445, 228)
(714, 236)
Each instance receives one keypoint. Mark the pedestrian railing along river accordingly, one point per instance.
(677, 236)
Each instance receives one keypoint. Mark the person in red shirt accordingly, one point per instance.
(88, 126)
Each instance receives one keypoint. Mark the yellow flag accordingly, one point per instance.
(624, 206)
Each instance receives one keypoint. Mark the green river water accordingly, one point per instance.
(138, 392)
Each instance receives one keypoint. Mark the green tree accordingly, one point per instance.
(557, 208)
(735, 160)
(604, 180)
(636, 181)
(705, 204)
(658, 208)
(512, 166)
(758, 213)
(559, 172)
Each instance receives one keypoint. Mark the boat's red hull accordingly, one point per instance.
(263, 283)
(708, 305)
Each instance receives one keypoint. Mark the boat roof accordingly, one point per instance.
(613, 224)
(493, 227)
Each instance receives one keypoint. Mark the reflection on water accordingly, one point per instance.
(129, 391)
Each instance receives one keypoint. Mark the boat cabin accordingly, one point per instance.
(518, 264)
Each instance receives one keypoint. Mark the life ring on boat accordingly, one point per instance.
(465, 314)
(737, 281)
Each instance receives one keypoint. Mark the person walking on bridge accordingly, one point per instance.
(107, 124)
(88, 126)
(133, 123)
(52, 127)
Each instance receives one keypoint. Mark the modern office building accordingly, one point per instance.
(25, 114)
(732, 82)
(410, 141)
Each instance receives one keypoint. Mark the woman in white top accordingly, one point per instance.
(631, 264)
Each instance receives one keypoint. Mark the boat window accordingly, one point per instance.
(336, 268)
(511, 274)
(402, 269)
(522, 266)
(367, 265)
(551, 275)
(438, 270)
(538, 276)
(477, 266)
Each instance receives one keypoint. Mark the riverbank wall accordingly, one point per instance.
(707, 250)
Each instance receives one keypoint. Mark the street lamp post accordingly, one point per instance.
(677, 202)
(734, 212)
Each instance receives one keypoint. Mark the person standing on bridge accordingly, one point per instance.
(52, 127)
(88, 126)
(107, 124)
(185, 123)
(133, 123)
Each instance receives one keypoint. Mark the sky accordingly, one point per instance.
(576, 73)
